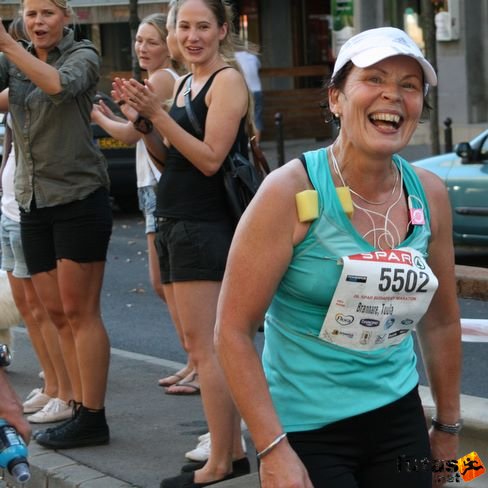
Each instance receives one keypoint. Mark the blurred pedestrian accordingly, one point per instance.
(195, 225)
(250, 65)
(346, 250)
(61, 185)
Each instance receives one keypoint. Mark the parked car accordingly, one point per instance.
(465, 174)
(121, 161)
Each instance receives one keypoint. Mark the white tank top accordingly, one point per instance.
(147, 173)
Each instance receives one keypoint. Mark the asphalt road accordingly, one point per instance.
(138, 321)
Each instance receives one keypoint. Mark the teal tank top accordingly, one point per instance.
(312, 382)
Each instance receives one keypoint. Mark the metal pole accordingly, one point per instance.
(280, 144)
(448, 135)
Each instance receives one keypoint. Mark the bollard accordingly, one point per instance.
(280, 144)
(448, 135)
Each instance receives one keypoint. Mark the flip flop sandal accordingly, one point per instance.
(168, 380)
(193, 388)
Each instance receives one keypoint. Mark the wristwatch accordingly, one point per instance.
(142, 124)
(453, 429)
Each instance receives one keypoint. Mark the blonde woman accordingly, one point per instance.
(61, 185)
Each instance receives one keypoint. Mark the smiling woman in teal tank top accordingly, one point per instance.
(345, 252)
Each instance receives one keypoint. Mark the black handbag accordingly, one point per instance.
(241, 176)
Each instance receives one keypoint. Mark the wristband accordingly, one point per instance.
(143, 125)
(271, 446)
(452, 429)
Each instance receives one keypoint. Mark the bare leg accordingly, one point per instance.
(46, 286)
(189, 369)
(35, 334)
(154, 274)
(196, 303)
(50, 338)
(80, 288)
(159, 288)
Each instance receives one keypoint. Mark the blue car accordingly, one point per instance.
(465, 174)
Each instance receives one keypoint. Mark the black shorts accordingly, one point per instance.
(79, 231)
(385, 448)
(192, 250)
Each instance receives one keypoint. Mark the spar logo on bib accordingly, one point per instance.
(388, 256)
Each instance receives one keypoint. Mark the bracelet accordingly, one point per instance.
(271, 446)
(452, 429)
(143, 125)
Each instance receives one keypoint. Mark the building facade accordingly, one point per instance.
(298, 40)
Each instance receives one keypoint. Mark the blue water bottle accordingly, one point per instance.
(13, 453)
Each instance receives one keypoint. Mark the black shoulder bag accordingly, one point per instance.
(241, 177)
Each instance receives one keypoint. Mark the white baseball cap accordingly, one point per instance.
(372, 46)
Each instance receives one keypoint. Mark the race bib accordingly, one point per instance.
(380, 297)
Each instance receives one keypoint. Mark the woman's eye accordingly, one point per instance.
(375, 79)
(410, 86)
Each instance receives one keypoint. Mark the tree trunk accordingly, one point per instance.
(134, 24)
(428, 25)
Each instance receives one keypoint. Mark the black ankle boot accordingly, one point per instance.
(88, 428)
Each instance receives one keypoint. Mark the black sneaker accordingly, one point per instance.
(74, 413)
(88, 428)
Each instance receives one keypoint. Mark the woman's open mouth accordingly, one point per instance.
(386, 120)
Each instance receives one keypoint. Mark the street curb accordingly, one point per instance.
(472, 282)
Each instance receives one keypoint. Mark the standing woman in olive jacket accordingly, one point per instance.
(61, 185)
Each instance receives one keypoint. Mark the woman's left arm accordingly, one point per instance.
(440, 330)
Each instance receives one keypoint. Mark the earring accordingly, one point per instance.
(337, 116)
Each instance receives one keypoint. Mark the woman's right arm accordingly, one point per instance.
(43, 75)
(261, 251)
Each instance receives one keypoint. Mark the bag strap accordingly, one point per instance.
(258, 156)
(189, 111)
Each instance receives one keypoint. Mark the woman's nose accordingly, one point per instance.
(391, 91)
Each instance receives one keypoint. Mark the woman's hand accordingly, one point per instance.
(282, 468)
(444, 448)
(118, 97)
(105, 110)
(142, 98)
(5, 37)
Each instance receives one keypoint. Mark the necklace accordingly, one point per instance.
(337, 170)
(383, 233)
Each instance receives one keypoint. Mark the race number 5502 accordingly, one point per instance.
(400, 279)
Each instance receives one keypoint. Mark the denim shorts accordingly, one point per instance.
(192, 250)
(79, 231)
(147, 205)
(13, 258)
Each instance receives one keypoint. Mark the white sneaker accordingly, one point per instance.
(55, 410)
(202, 450)
(35, 400)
